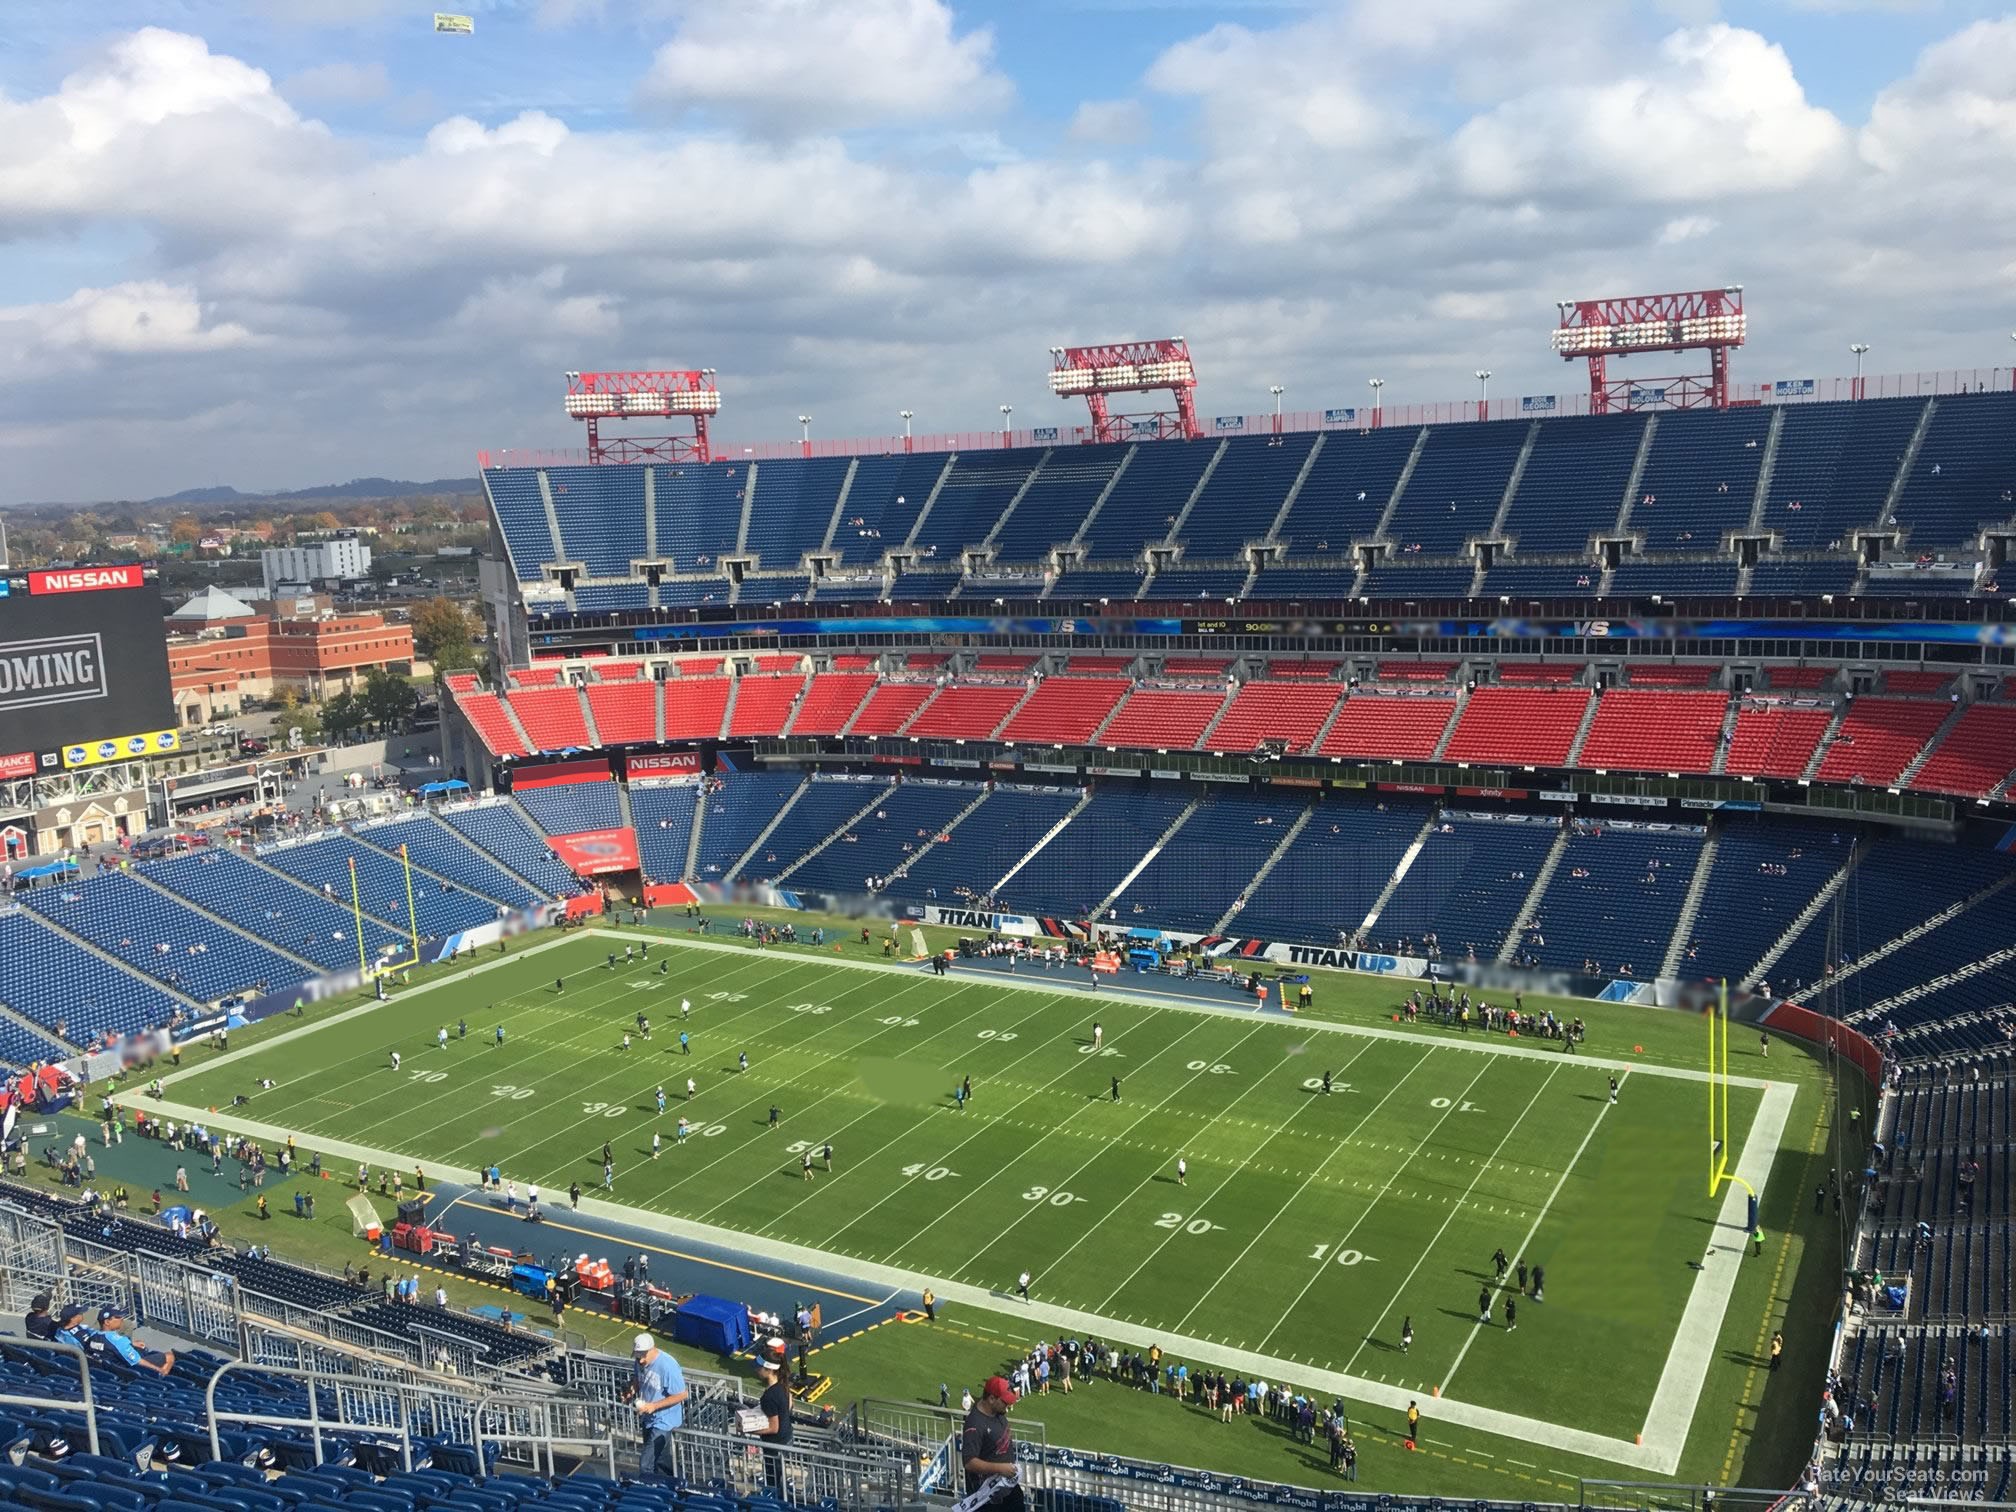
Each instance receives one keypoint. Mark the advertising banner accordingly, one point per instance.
(1230, 422)
(592, 853)
(682, 764)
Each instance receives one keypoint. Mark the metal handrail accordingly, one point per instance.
(88, 1403)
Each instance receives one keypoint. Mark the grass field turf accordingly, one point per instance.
(1411, 1196)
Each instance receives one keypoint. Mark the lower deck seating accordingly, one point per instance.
(1466, 886)
(663, 815)
(1088, 857)
(1614, 900)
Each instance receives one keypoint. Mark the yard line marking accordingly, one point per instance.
(947, 1156)
(1526, 1244)
(1064, 1181)
(1307, 1101)
(1233, 1268)
(1483, 1166)
(1366, 1212)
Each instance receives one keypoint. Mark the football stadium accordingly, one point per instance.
(1369, 958)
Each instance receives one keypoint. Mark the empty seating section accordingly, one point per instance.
(1834, 468)
(824, 806)
(986, 844)
(625, 713)
(1395, 670)
(521, 519)
(1520, 579)
(1963, 474)
(549, 676)
(1879, 737)
(1466, 886)
(1160, 719)
(694, 707)
(1092, 664)
(891, 833)
(601, 515)
(1896, 885)
(966, 711)
(1206, 865)
(1671, 675)
(758, 590)
(1456, 486)
(1529, 726)
(1057, 502)
(763, 702)
(663, 815)
(1244, 493)
(323, 930)
(973, 496)
(830, 701)
(163, 938)
(438, 849)
(460, 682)
(890, 706)
(1346, 492)
(1091, 586)
(1700, 478)
(1003, 661)
(1614, 899)
(21, 1046)
(1573, 484)
(737, 805)
(501, 831)
(1146, 500)
(1303, 582)
(1388, 728)
(887, 496)
(1562, 673)
(1774, 741)
(381, 885)
(699, 511)
(552, 718)
(568, 808)
(1976, 757)
(1398, 580)
(1764, 877)
(1088, 857)
(1799, 677)
(97, 996)
(1066, 710)
(605, 597)
(487, 716)
(1902, 681)
(1639, 577)
(792, 506)
(1291, 712)
(1644, 730)
(1327, 881)
(1196, 666)
(1836, 576)
(691, 592)
(612, 669)
(1188, 584)
(853, 661)
(1282, 667)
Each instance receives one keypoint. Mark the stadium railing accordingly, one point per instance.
(85, 1403)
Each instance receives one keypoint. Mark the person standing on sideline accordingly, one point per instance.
(685, 1008)
(1098, 1037)
(685, 1045)
(987, 1450)
(1498, 1259)
(1413, 1424)
(1613, 1089)
(1522, 1278)
(690, 1089)
(1483, 1304)
(805, 1161)
(930, 1305)
(657, 1140)
(659, 1391)
(1022, 1286)
(1511, 1315)
(1777, 1348)
(1406, 1333)
(1182, 1171)
(775, 1114)
(1116, 1089)
(1765, 1037)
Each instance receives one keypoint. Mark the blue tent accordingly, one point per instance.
(443, 787)
(713, 1324)
(47, 869)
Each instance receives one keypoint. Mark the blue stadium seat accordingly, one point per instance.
(434, 846)
(1328, 880)
(1089, 856)
(382, 885)
(1467, 885)
(1245, 492)
(49, 979)
(664, 817)
(1457, 486)
(570, 808)
(738, 806)
(295, 918)
(502, 831)
(1614, 899)
(792, 507)
(1207, 864)
(909, 819)
(1573, 484)
(825, 805)
(1056, 504)
(1346, 490)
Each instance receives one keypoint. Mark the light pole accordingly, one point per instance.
(907, 414)
(1275, 390)
(805, 434)
(1859, 348)
(1007, 419)
(1483, 376)
(1377, 384)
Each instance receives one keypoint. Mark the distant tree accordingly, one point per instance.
(444, 634)
(185, 531)
(389, 699)
(344, 714)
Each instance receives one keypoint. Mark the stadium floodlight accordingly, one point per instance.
(688, 395)
(1860, 349)
(1594, 330)
(1129, 367)
(907, 417)
(1007, 421)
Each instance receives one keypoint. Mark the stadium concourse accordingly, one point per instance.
(1570, 714)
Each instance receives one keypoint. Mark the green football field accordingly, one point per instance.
(1309, 1226)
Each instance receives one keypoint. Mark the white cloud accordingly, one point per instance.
(126, 320)
(1718, 112)
(339, 83)
(1110, 123)
(782, 64)
(1957, 106)
(1683, 228)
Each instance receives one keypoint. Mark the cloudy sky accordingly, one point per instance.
(280, 242)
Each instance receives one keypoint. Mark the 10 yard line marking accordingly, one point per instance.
(1317, 1274)
(1482, 1168)
(1527, 1243)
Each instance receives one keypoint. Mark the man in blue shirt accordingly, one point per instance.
(112, 1328)
(660, 1395)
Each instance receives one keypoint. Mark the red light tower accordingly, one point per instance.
(595, 397)
(1709, 320)
(1130, 367)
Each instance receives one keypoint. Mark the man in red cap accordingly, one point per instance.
(988, 1450)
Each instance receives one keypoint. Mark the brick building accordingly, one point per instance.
(222, 651)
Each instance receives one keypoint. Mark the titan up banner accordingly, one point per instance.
(594, 853)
